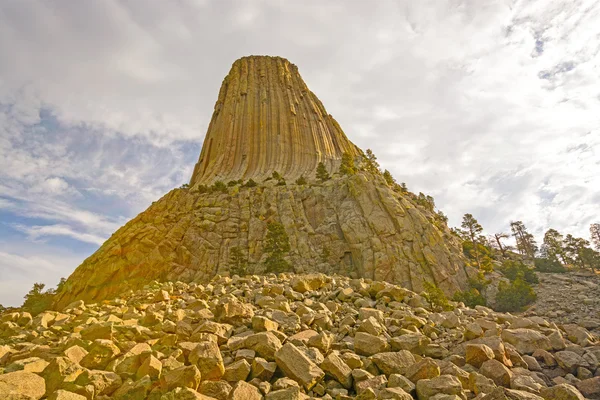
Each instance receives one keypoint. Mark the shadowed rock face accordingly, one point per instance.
(267, 120)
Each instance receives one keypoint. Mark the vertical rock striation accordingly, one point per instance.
(266, 119)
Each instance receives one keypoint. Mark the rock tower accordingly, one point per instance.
(266, 120)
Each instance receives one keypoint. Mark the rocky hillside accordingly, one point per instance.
(290, 337)
(569, 298)
(355, 226)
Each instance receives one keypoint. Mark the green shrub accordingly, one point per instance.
(514, 296)
(512, 269)
(38, 300)
(219, 186)
(250, 184)
(471, 298)
(301, 180)
(548, 265)
(203, 189)
(184, 186)
(435, 297)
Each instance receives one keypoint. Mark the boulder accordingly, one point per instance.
(297, 366)
(526, 341)
(21, 385)
(477, 354)
(186, 376)
(334, 366)
(207, 357)
(443, 384)
(497, 372)
(393, 362)
(366, 344)
(563, 391)
(244, 391)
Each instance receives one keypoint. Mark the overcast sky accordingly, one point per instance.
(490, 106)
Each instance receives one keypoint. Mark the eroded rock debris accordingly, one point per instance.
(290, 337)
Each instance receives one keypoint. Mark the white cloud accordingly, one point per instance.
(42, 231)
(488, 105)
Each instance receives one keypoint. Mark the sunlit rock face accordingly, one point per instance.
(267, 120)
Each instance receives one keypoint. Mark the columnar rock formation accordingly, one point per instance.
(266, 120)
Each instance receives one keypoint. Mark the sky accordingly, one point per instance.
(490, 106)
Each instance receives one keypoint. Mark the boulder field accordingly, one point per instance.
(290, 337)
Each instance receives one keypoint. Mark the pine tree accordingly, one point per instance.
(38, 300)
(525, 241)
(238, 262)
(371, 164)
(498, 237)
(595, 235)
(389, 179)
(472, 230)
(553, 247)
(277, 245)
(322, 174)
(347, 166)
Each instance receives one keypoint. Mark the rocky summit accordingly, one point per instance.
(290, 337)
(268, 138)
